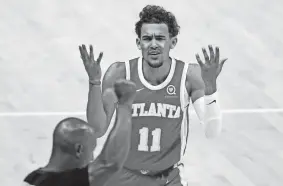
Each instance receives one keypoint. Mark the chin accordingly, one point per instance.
(155, 63)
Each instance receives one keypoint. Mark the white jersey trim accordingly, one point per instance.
(184, 100)
(128, 70)
(184, 96)
(163, 84)
(102, 140)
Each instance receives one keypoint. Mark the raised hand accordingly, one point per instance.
(92, 66)
(211, 68)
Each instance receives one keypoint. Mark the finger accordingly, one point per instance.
(86, 55)
(82, 54)
(81, 51)
(211, 52)
(222, 62)
(91, 52)
(217, 54)
(85, 51)
(205, 55)
(199, 60)
(99, 57)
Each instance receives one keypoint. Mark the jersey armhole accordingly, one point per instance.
(128, 70)
(184, 97)
(184, 100)
(102, 140)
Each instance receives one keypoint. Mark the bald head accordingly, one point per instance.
(72, 133)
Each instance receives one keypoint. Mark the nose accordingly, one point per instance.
(153, 43)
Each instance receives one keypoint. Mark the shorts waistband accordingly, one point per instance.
(163, 173)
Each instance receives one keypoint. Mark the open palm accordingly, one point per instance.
(211, 68)
(92, 66)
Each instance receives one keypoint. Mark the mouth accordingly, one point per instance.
(154, 53)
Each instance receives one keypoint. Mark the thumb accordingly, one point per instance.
(223, 61)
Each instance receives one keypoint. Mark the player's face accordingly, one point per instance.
(155, 43)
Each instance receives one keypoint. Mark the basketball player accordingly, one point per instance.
(74, 141)
(165, 87)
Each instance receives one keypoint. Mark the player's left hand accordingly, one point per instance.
(211, 68)
(92, 66)
(125, 91)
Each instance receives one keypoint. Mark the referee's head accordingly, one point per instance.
(73, 144)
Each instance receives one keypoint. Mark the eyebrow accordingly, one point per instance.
(156, 35)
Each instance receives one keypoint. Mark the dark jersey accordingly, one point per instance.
(75, 177)
(159, 118)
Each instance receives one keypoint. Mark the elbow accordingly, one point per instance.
(118, 160)
(115, 167)
(213, 128)
(118, 166)
(98, 125)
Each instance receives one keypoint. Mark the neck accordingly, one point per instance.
(156, 76)
(59, 163)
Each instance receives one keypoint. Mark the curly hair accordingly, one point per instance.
(157, 14)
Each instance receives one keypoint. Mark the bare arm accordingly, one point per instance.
(195, 84)
(95, 112)
(115, 150)
(116, 71)
(202, 95)
(117, 146)
(96, 116)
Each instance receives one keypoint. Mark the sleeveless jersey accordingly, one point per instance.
(159, 118)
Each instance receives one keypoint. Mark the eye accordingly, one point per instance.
(159, 38)
(146, 38)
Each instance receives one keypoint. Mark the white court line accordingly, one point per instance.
(227, 111)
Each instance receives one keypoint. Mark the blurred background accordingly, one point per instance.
(42, 79)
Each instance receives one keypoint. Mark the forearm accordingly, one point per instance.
(203, 92)
(210, 87)
(95, 112)
(209, 114)
(117, 146)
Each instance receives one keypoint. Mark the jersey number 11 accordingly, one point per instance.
(144, 135)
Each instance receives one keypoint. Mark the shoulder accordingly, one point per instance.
(193, 68)
(194, 79)
(194, 72)
(115, 71)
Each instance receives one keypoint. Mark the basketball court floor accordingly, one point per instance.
(42, 80)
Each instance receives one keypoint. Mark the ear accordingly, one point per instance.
(138, 42)
(79, 149)
(174, 41)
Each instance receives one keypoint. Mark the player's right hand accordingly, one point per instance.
(125, 91)
(92, 66)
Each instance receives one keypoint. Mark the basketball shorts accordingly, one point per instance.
(168, 177)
